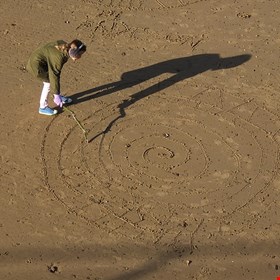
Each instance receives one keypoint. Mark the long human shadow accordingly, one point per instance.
(182, 68)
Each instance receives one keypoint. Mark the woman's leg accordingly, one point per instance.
(44, 95)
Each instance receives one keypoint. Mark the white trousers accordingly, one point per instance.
(44, 95)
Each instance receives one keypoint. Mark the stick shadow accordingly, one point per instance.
(182, 68)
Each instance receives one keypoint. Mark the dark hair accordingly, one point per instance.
(80, 46)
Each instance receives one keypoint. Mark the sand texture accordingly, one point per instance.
(167, 164)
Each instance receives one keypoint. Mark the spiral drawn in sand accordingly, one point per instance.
(201, 153)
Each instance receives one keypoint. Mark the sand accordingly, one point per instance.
(166, 165)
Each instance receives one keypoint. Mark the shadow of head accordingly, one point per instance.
(231, 62)
(186, 66)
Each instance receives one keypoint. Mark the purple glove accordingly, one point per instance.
(57, 100)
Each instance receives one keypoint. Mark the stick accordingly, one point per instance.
(77, 121)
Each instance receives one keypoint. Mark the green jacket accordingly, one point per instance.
(46, 63)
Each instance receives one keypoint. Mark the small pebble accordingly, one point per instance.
(52, 268)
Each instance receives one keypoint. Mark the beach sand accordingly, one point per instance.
(166, 165)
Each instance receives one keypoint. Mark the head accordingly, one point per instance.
(76, 49)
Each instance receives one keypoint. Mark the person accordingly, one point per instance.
(46, 63)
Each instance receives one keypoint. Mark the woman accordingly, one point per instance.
(46, 63)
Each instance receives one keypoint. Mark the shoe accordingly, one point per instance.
(47, 111)
(66, 100)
